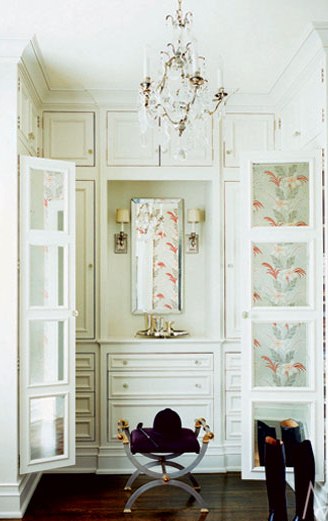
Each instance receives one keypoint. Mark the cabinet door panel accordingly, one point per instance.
(125, 146)
(232, 260)
(246, 132)
(85, 259)
(47, 314)
(282, 301)
(70, 136)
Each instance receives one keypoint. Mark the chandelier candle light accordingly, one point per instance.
(180, 98)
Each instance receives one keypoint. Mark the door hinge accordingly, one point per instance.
(18, 364)
(323, 116)
(19, 84)
(18, 165)
(18, 122)
(323, 157)
(38, 121)
(277, 124)
(322, 75)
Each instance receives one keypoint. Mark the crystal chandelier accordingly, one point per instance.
(180, 99)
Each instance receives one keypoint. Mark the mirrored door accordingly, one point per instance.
(47, 314)
(282, 303)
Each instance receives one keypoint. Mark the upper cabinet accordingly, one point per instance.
(70, 136)
(28, 123)
(127, 147)
(124, 144)
(243, 132)
(302, 118)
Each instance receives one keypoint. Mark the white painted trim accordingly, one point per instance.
(15, 497)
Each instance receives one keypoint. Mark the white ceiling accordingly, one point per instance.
(98, 44)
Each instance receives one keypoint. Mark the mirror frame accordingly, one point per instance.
(177, 279)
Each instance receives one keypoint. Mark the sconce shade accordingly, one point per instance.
(194, 215)
(122, 215)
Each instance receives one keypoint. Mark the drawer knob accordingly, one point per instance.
(125, 386)
(90, 151)
(199, 386)
(197, 362)
(125, 362)
(228, 152)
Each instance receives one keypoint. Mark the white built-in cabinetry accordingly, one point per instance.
(127, 147)
(85, 259)
(29, 118)
(70, 136)
(245, 131)
(303, 111)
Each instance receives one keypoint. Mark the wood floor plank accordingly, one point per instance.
(90, 497)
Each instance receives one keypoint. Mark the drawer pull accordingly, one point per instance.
(125, 386)
(197, 362)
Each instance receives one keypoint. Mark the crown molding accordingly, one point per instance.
(11, 49)
(313, 43)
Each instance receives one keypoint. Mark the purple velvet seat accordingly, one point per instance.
(185, 441)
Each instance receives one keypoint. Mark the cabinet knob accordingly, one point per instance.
(244, 314)
(125, 386)
(75, 313)
(90, 265)
(228, 152)
(31, 136)
(197, 362)
(229, 265)
(90, 151)
(199, 386)
(297, 133)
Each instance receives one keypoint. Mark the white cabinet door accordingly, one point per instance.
(85, 259)
(198, 153)
(125, 145)
(28, 120)
(302, 119)
(70, 136)
(282, 301)
(232, 258)
(246, 132)
(47, 314)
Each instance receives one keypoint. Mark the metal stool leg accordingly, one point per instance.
(158, 483)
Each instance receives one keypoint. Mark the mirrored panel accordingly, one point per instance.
(46, 351)
(156, 233)
(46, 200)
(287, 421)
(47, 427)
(46, 280)
(280, 194)
(280, 274)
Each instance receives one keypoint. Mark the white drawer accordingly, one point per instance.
(85, 381)
(233, 427)
(85, 429)
(85, 404)
(232, 361)
(140, 384)
(233, 402)
(172, 361)
(145, 410)
(85, 361)
(232, 380)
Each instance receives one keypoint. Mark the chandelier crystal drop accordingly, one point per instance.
(180, 99)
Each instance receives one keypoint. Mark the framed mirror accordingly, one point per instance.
(156, 255)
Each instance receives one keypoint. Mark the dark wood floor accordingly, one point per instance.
(89, 497)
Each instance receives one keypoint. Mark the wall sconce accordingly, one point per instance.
(194, 216)
(121, 239)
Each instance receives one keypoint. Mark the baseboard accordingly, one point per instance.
(15, 497)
